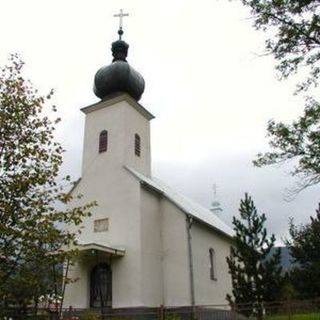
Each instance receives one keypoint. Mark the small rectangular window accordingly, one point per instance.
(101, 225)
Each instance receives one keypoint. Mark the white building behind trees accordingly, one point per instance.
(145, 244)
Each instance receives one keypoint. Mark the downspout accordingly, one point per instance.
(189, 221)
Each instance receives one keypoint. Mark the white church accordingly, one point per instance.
(145, 245)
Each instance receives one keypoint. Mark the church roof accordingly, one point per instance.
(187, 205)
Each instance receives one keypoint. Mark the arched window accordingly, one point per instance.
(103, 141)
(212, 264)
(137, 145)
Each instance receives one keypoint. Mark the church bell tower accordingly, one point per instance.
(117, 128)
(116, 140)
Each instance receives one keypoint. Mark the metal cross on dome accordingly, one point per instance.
(120, 15)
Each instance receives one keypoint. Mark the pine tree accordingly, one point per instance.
(256, 276)
(305, 250)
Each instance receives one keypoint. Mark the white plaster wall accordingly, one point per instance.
(176, 272)
(105, 180)
(209, 291)
(155, 268)
(121, 121)
(151, 249)
(139, 125)
(78, 270)
(176, 277)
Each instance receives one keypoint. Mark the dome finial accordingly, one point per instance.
(119, 76)
(120, 15)
(215, 205)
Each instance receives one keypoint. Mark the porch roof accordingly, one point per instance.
(90, 247)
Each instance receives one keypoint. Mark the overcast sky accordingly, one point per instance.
(206, 83)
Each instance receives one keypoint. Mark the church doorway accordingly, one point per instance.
(101, 286)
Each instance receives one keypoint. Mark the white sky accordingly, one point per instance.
(211, 93)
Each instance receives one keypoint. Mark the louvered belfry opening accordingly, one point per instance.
(103, 141)
(137, 145)
(212, 264)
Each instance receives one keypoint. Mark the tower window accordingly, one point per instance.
(137, 145)
(212, 264)
(103, 141)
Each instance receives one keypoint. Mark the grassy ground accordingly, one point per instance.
(309, 316)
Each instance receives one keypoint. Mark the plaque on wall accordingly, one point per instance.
(101, 225)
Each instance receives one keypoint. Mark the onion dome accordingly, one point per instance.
(119, 76)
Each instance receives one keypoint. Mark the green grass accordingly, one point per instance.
(306, 316)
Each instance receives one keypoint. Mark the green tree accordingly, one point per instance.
(31, 237)
(299, 141)
(304, 248)
(294, 29)
(294, 41)
(256, 275)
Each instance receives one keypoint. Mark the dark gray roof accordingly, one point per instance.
(119, 76)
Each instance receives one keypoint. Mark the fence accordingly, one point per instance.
(281, 310)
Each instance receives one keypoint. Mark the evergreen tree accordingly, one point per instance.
(256, 276)
(305, 250)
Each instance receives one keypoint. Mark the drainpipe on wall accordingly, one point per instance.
(189, 221)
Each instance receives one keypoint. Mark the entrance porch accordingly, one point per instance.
(91, 277)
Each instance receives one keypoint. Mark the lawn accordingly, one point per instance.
(306, 316)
